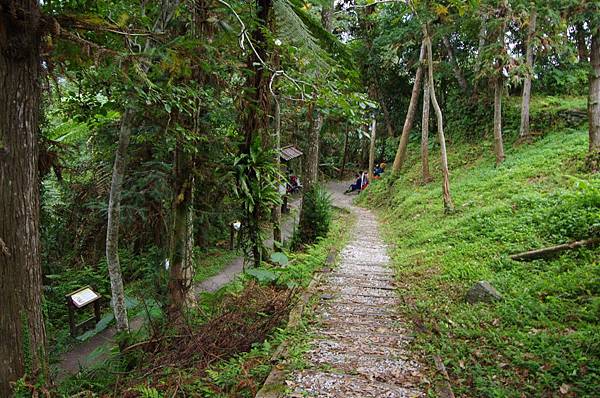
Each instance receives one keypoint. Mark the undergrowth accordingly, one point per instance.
(225, 347)
(543, 338)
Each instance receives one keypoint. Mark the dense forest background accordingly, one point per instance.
(134, 133)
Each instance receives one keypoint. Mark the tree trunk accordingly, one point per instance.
(425, 133)
(460, 78)
(327, 16)
(386, 115)
(594, 104)
(311, 170)
(582, 50)
(482, 35)
(112, 230)
(372, 147)
(256, 105)
(22, 330)
(276, 211)
(181, 269)
(114, 202)
(481, 44)
(524, 129)
(345, 156)
(498, 145)
(410, 115)
(448, 206)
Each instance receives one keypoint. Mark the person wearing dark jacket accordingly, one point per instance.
(356, 186)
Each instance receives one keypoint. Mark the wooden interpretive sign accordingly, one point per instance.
(78, 300)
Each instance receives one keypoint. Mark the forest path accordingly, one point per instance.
(97, 348)
(360, 343)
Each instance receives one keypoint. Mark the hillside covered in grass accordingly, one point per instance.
(543, 338)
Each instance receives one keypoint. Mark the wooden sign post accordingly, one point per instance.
(79, 300)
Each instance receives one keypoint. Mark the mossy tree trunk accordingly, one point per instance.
(112, 230)
(22, 330)
(594, 103)
(276, 211)
(181, 269)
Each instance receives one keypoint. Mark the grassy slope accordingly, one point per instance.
(544, 336)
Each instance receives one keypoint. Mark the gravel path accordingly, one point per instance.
(360, 349)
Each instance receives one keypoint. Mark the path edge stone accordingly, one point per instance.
(274, 384)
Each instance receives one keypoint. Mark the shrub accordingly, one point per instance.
(315, 217)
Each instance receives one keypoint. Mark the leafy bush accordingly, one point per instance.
(316, 215)
(577, 216)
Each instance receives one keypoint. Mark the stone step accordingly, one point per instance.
(331, 385)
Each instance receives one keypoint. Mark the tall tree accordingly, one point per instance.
(410, 115)
(594, 102)
(498, 80)
(257, 104)
(22, 331)
(311, 169)
(448, 206)
(166, 13)
(524, 128)
(276, 212)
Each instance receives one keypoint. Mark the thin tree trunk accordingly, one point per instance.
(524, 129)
(460, 78)
(181, 269)
(498, 145)
(167, 11)
(372, 147)
(327, 16)
(345, 156)
(481, 44)
(410, 115)
(22, 330)
(594, 104)
(311, 171)
(112, 230)
(276, 211)
(425, 133)
(482, 38)
(448, 206)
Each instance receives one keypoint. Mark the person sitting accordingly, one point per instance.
(377, 171)
(356, 186)
(364, 180)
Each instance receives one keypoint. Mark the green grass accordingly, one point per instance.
(545, 335)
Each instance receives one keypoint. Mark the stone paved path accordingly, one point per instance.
(361, 346)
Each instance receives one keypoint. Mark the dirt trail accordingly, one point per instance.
(361, 344)
(97, 348)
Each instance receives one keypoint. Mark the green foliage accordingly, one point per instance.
(315, 217)
(544, 334)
